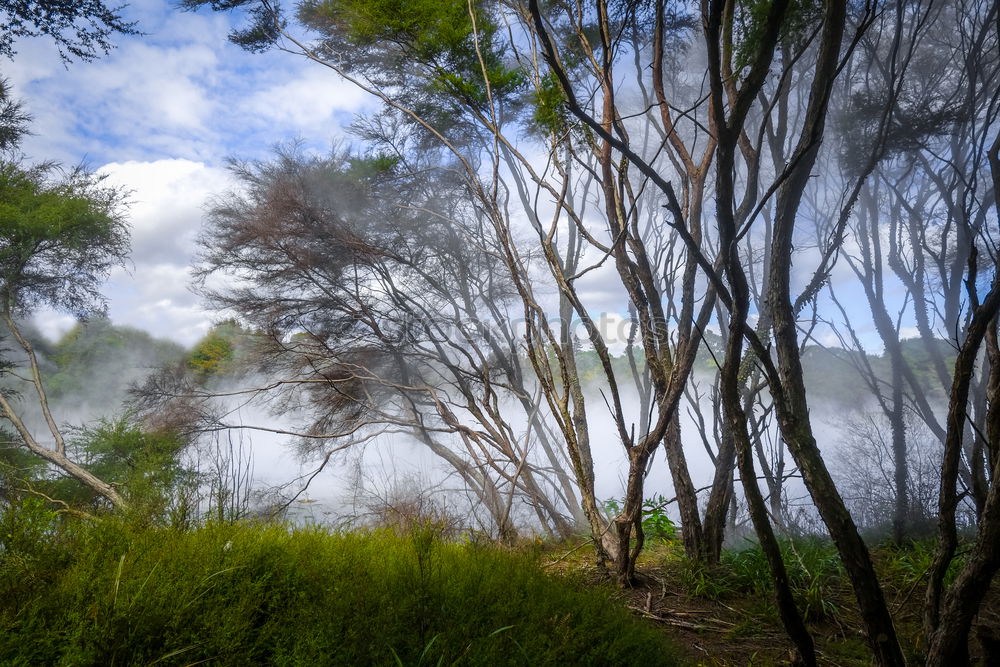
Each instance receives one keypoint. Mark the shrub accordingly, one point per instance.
(255, 594)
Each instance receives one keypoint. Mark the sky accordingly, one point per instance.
(160, 115)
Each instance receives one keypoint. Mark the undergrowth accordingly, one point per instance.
(741, 583)
(113, 593)
(815, 573)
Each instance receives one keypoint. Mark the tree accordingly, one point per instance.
(215, 353)
(81, 29)
(588, 136)
(13, 120)
(380, 308)
(60, 235)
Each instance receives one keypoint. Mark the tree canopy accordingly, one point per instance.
(81, 29)
(61, 233)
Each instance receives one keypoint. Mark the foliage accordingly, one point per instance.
(13, 119)
(448, 49)
(60, 235)
(656, 523)
(450, 52)
(814, 572)
(815, 575)
(215, 354)
(264, 594)
(32, 548)
(145, 464)
(751, 19)
(550, 114)
(81, 28)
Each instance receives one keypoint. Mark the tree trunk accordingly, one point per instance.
(949, 644)
(719, 498)
(687, 498)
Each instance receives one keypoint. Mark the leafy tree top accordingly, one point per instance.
(60, 235)
(217, 352)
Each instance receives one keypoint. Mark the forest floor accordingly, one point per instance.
(719, 618)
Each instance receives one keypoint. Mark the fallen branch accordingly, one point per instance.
(568, 553)
(687, 625)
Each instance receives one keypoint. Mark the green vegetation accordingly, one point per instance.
(145, 465)
(94, 361)
(656, 523)
(814, 571)
(60, 235)
(739, 592)
(216, 353)
(454, 44)
(110, 592)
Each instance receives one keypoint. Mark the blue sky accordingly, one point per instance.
(160, 114)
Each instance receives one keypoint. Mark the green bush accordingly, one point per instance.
(657, 525)
(237, 594)
(814, 572)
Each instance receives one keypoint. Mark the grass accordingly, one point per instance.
(739, 591)
(111, 593)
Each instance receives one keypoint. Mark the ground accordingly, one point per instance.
(718, 624)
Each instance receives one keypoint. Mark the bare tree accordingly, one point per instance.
(382, 307)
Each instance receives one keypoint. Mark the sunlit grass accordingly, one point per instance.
(112, 593)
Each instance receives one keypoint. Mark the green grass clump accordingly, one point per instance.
(814, 572)
(111, 593)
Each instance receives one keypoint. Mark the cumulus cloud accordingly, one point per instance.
(161, 113)
(168, 198)
(309, 101)
(166, 215)
(178, 91)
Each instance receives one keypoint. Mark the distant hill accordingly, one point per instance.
(90, 368)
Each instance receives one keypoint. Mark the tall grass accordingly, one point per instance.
(814, 572)
(236, 594)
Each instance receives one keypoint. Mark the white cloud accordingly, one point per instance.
(178, 91)
(168, 200)
(161, 113)
(166, 216)
(309, 102)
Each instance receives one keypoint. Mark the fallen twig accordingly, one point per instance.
(567, 554)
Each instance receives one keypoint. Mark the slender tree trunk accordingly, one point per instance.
(687, 498)
(949, 644)
(720, 497)
(948, 498)
(739, 436)
(791, 404)
(790, 616)
(900, 467)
